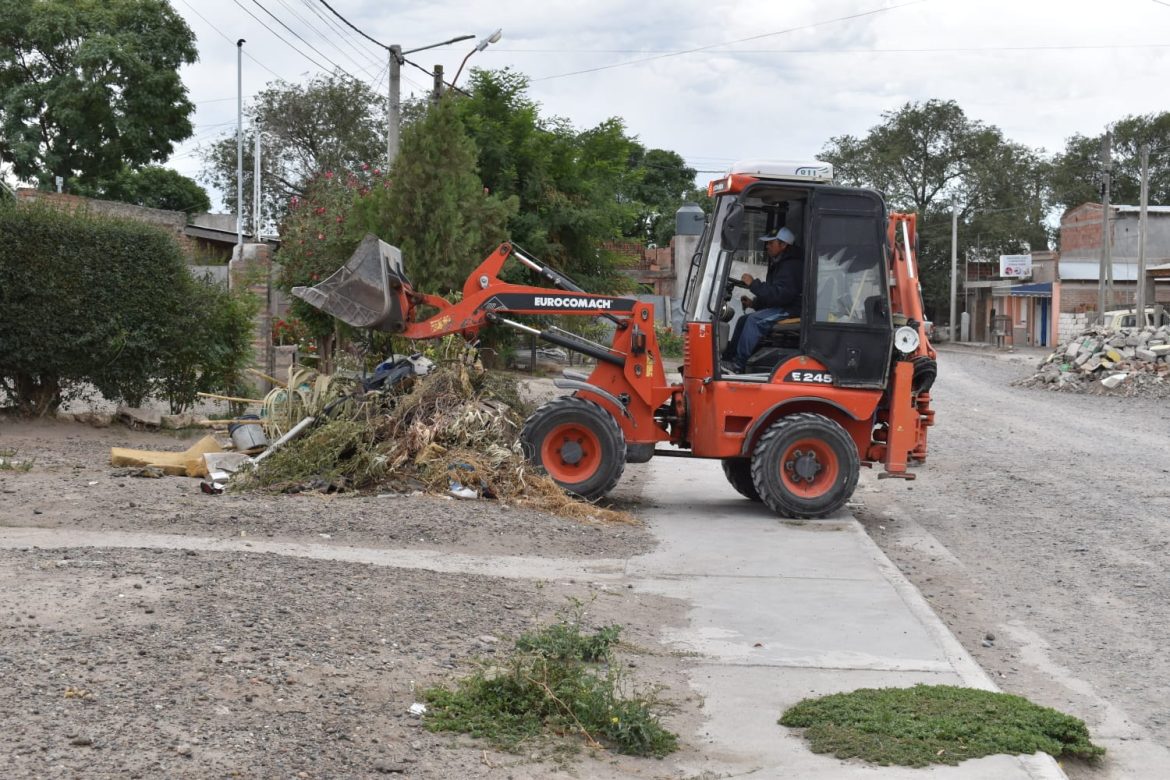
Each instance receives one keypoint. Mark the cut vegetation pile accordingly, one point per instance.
(453, 430)
(559, 681)
(936, 724)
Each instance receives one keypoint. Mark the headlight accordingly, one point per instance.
(906, 339)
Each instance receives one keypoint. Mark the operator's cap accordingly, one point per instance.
(783, 234)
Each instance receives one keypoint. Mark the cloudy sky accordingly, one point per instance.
(719, 80)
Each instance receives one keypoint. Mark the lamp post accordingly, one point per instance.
(483, 44)
(394, 99)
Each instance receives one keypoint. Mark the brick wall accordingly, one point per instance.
(1080, 231)
(173, 221)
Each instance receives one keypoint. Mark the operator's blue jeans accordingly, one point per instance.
(748, 332)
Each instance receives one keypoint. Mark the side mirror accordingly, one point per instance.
(732, 226)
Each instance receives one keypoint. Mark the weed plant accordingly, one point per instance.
(936, 724)
(559, 681)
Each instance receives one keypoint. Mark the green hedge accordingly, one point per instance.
(109, 303)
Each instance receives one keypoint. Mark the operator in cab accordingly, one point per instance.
(774, 298)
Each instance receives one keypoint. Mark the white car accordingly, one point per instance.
(1127, 318)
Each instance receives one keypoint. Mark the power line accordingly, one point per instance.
(229, 40)
(342, 32)
(297, 36)
(730, 43)
(351, 25)
(947, 50)
(362, 66)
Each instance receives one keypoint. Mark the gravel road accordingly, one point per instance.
(171, 659)
(1037, 530)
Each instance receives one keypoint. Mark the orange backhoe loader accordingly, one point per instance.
(845, 384)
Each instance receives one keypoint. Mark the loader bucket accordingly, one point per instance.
(366, 292)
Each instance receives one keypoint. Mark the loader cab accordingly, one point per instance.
(845, 319)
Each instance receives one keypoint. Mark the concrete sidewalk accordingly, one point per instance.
(786, 610)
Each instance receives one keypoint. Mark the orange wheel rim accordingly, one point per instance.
(809, 468)
(570, 453)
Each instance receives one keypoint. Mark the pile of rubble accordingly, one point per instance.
(1130, 361)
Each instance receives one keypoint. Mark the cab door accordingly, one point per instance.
(847, 304)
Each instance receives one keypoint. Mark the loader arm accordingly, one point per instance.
(628, 368)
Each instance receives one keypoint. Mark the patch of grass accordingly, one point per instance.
(8, 462)
(935, 724)
(559, 681)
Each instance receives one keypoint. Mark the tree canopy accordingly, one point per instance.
(332, 123)
(926, 156)
(153, 186)
(1078, 171)
(90, 86)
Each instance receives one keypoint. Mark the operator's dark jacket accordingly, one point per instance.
(784, 284)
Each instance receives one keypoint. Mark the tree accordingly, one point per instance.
(664, 183)
(152, 186)
(435, 207)
(926, 156)
(332, 123)
(1077, 172)
(575, 189)
(431, 204)
(91, 301)
(88, 86)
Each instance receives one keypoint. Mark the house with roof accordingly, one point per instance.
(1057, 294)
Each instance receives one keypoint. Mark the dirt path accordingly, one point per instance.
(151, 630)
(1038, 532)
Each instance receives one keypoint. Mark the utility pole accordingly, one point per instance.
(1140, 307)
(393, 104)
(240, 144)
(394, 90)
(1105, 271)
(256, 186)
(954, 268)
(437, 92)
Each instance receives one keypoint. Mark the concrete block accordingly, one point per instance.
(177, 421)
(1147, 355)
(1092, 364)
(1113, 380)
(1073, 348)
(1160, 350)
(96, 419)
(146, 418)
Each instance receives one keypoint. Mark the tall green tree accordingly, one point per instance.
(574, 189)
(926, 156)
(331, 123)
(152, 186)
(435, 207)
(664, 183)
(88, 86)
(1077, 172)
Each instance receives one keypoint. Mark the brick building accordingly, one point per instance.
(1061, 295)
(1080, 255)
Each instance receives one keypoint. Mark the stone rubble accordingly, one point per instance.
(1129, 361)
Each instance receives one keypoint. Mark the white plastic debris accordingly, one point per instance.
(418, 708)
(1113, 380)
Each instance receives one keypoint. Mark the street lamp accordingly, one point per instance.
(394, 102)
(483, 44)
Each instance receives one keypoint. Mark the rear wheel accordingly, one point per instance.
(805, 465)
(739, 473)
(578, 444)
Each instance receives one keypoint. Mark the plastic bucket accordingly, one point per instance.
(248, 436)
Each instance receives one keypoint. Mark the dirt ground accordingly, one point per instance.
(1037, 531)
(172, 660)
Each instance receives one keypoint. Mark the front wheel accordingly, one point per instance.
(578, 444)
(805, 465)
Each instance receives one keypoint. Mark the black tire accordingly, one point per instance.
(639, 453)
(805, 465)
(739, 473)
(578, 444)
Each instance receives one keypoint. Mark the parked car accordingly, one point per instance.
(1127, 318)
